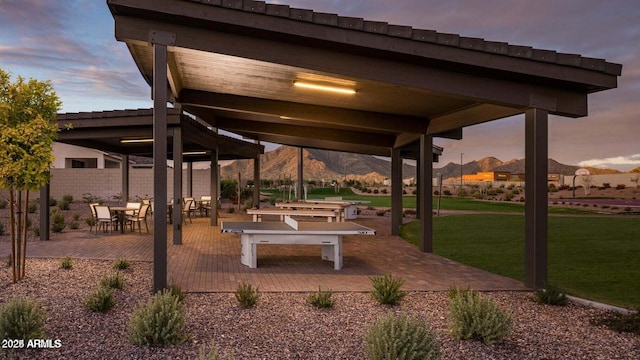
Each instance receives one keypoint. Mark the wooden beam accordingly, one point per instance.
(315, 132)
(313, 114)
(471, 116)
(425, 192)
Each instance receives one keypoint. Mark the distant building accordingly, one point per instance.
(70, 156)
(489, 176)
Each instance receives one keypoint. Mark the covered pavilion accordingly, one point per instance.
(298, 77)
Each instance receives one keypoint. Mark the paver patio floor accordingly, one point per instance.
(209, 261)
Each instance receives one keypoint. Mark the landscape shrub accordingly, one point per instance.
(386, 289)
(381, 212)
(66, 263)
(32, 207)
(100, 300)
(176, 291)
(621, 187)
(3, 204)
(57, 221)
(321, 299)
(246, 295)
(462, 192)
(113, 281)
(67, 198)
(551, 296)
(620, 322)
(91, 221)
(1, 228)
(121, 264)
(158, 322)
(53, 201)
(213, 354)
(401, 337)
(74, 225)
(63, 205)
(476, 317)
(446, 192)
(21, 319)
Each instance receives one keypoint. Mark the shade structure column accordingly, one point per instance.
(125, 178)
(176, 216)
(300, 174)
(536, 171)
(256, 182)
(396, 191)
(159, 166)
(425, 201)
(214, 187)
(189, 179)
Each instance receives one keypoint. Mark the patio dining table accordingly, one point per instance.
(120, 212)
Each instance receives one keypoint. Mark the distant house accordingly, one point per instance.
(71, 156)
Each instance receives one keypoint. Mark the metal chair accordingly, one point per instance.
(140, 217)
(104, 217)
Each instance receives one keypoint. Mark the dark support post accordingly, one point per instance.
(125, 178)
(425, 201)
(300, 174)
(159, 167)
(256, 182)
(189, 179)
(45, 194)
(396, 191)
(418, 216)
(214, 187)
(177, 186)
(536, 169)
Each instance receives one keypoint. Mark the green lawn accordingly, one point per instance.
(597, 258)
(446, 203)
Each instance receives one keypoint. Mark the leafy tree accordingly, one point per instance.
(27, 131)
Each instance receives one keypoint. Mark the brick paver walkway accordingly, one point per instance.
(209, 261)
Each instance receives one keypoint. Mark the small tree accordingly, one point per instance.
(27, 131)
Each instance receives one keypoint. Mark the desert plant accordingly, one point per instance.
(33, 206)
(74, 225)
(176, 290)
(67, 198)
(386, 289)
(158, 322)
(36, 230)
(1, 228)
(66, 263)
(53, 201)
(474, 316)
(21, 319)
(321, 299)
(63, 205)
(246, 295)
(551, 296)
(620, 322)
(113, 281)
(213, 354)
(121, 264)
(57, 221)
(100, 300)
(3, 204)
(381, 212)
(401, 337)
(75, 216)
(91, 221)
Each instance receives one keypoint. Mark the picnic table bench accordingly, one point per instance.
(282, 212)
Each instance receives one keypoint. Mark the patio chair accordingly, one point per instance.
(133, 205)
(104, 217)
(94, 216)
(205, 205)
(140, 217)
(150, 203)
(186, 208)
(193, 207)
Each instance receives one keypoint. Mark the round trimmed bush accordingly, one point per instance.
(399, 338)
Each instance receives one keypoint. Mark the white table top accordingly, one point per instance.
(304, 228)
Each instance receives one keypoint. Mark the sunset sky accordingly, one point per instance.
(72, 44)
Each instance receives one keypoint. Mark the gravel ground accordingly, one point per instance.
(283, 326)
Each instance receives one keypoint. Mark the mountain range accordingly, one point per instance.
(319, 165)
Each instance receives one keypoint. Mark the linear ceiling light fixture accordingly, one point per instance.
(329, 88)
(133, 141)
(194, 153)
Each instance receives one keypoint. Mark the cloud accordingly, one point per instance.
(629, 161)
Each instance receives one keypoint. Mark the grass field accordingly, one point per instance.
(597, 258)
(446, 203)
